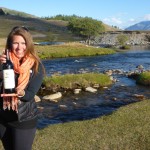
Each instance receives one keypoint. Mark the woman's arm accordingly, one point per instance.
(33, 86)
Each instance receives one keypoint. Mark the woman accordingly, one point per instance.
(18, 119)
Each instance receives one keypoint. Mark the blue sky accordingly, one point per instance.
(112, 12)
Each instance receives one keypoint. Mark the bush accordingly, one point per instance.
(144, 78)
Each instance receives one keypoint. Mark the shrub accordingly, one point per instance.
(144, 78)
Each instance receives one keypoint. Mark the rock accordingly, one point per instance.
(139, 96)
(53, 96)
(114, 98)
(109, 39)
(96, 85)
(90, 89)
(77, 91)
(139, 67)
(37, 98)
(105, 87)
(76, 105)
(63, 107)
(108, 72)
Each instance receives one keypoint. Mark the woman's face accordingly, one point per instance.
(19, 46)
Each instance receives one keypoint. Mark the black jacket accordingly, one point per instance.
(27, 108)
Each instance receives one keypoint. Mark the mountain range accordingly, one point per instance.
(144, 25)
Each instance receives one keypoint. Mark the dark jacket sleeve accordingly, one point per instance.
(33, 85)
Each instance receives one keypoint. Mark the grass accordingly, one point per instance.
(126, 129)
(144, 78)
(70, 50)
(72, 81)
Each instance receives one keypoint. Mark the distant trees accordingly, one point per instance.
(122, 39)
(62, 17)
(86, 28)
(116, 27)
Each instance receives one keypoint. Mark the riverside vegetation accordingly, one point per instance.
(69, 82)
(144, 78)
(71, 49)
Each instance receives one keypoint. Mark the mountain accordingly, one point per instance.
(144, 25)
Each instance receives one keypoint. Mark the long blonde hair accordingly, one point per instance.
(30, 51)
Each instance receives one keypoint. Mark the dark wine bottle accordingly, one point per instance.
(8, 75)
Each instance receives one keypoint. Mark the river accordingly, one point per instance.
(91, 105)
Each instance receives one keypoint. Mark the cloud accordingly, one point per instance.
(132, 20)
(146, 17)
(112, 20)
(121, 21)
(139, 19)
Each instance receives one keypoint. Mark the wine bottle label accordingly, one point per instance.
(9, 79)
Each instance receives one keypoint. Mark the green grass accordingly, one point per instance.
(70, 50)
(72, 81)
(126, 129)
(144, 78)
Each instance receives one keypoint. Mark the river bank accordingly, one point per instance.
(110, 39)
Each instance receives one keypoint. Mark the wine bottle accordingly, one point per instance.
(8, 75)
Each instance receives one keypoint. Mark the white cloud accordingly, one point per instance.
(132, 20)
(112, 20)
(146, 17)
(122, 21)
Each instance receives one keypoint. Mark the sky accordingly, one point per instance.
(112, 12)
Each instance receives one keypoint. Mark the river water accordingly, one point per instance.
(91, 105)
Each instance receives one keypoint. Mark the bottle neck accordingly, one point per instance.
(7, 55)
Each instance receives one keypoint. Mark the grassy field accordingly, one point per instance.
(126, 129)
(71, 49)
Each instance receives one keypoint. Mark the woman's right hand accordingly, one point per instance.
(2, 58)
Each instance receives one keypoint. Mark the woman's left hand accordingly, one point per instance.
(20, 92)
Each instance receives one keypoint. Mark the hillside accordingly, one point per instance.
(41, 29)
(6, 11)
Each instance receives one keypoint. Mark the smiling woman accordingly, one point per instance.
(18, 112)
